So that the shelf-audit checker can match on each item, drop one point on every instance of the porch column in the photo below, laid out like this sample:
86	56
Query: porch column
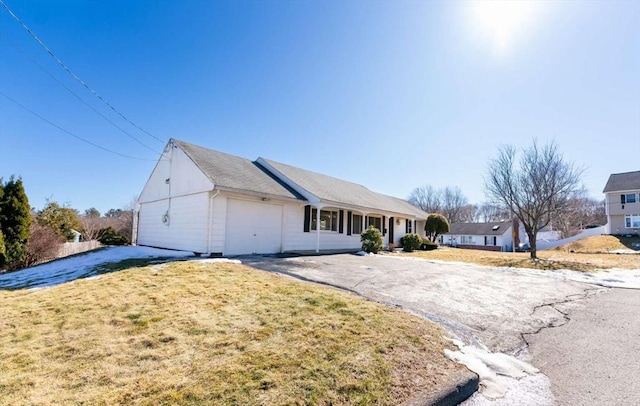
317	229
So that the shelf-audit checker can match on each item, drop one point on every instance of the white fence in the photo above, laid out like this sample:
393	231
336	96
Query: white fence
543	245
71	248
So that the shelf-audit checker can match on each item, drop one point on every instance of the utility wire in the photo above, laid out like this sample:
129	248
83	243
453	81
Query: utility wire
26	55
70	72
72	134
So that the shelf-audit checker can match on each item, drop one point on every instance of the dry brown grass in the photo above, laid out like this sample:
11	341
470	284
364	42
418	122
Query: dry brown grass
554	259
601	244
202	333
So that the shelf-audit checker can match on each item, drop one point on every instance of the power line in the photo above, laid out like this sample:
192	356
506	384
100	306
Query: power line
26	55
72	134
70	72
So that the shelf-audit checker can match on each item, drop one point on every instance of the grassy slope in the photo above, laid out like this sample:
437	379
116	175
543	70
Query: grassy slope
194	333
589	255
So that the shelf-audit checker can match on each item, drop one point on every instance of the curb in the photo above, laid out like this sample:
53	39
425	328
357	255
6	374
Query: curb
455	392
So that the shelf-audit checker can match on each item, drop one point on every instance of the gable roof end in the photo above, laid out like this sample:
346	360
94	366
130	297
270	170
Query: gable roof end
233	173
623	181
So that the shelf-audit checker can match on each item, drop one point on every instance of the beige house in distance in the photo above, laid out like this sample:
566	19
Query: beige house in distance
622	203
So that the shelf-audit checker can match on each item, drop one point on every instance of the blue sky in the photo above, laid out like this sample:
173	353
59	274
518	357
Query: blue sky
392	95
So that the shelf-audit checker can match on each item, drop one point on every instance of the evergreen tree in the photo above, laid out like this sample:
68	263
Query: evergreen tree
436	224
3	252
15	220
61	219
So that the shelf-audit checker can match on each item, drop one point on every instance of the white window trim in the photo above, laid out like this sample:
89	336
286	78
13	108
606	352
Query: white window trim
354	222
632	218
626	198
374	217
314	217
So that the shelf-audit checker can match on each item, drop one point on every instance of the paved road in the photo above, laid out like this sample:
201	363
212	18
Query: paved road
585	338
594	359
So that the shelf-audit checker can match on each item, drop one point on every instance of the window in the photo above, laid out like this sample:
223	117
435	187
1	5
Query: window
632	221
356	224
376	222
628	198
409	224
328	220
466	239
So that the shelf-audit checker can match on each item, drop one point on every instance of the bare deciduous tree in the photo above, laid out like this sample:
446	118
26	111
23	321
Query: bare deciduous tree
453	202
426	198
470	213
540	185
488	212
44	245
92	226
448	201
581	211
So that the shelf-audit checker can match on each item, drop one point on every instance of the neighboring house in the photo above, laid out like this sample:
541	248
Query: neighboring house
496	236
77	235
213	203
622	203
547	233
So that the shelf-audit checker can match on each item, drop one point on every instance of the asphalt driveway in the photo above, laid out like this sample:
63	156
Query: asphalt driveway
507	310
481	305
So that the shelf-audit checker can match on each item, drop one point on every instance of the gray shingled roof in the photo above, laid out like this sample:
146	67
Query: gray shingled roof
479	228
623	181
233	173
333	190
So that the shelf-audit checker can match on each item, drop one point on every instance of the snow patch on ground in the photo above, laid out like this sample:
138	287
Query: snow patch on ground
80	266
490	367
220	260
532	390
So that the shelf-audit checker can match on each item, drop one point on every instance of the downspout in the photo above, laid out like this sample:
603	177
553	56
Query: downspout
210	221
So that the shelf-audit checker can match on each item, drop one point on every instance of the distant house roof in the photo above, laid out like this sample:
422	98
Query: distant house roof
333	190
496	228
234	173
623	181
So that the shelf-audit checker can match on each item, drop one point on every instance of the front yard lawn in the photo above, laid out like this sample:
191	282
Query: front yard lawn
197	332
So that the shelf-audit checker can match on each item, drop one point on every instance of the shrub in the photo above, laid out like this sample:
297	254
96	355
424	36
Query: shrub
44	245
411	242
109	236
371	239
428	245
436	224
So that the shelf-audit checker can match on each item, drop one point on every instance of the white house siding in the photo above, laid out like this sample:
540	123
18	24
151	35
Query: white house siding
296	239
503	241
175	174
186	226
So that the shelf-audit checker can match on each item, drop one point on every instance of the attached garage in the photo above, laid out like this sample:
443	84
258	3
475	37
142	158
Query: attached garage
253	227
212	203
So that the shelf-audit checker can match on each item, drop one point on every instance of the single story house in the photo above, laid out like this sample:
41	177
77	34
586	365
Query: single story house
493	236
622	203
213	203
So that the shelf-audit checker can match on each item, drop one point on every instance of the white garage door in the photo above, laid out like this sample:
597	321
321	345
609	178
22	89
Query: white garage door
253	228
